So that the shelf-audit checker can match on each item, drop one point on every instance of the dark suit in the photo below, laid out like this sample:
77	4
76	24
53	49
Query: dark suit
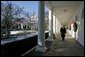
63	31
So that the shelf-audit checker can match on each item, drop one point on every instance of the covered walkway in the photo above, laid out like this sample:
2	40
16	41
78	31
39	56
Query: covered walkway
69	47
60	13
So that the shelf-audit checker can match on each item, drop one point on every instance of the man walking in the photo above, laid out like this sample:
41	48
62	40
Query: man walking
63	32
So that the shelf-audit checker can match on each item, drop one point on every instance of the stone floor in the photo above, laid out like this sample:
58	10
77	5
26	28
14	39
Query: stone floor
69	47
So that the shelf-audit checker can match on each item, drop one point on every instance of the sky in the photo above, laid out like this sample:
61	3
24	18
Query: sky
29	6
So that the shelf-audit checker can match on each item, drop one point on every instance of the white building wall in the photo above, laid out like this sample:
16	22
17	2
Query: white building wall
80	31
80	38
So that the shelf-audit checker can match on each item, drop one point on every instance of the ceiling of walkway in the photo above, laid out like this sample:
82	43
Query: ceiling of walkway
64	10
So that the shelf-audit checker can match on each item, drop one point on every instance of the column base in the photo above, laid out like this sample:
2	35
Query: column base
50	39
40	48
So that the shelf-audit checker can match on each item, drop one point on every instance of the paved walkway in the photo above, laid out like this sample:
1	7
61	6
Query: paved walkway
69	47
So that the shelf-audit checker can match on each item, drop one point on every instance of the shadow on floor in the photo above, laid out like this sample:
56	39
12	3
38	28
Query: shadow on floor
69	47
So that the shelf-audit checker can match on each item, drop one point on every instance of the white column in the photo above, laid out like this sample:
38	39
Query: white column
54	24
21	26
41	29
50	26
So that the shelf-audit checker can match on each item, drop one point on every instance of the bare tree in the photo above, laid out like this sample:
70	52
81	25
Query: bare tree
26	14
8	13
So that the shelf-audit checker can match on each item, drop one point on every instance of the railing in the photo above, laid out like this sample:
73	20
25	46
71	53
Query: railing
17	48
